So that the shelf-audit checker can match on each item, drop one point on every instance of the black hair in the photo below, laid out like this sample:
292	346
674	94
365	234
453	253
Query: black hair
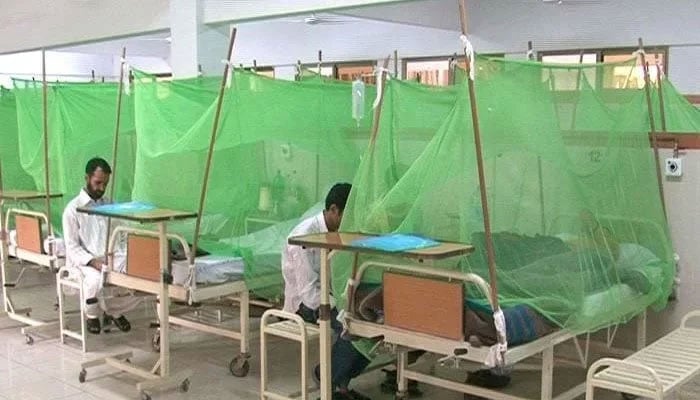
338	195
96	163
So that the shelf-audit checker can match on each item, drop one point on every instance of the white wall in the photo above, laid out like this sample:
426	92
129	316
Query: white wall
684	66
68	66
684	216
62	66
283	42
496	26
503	26
507	25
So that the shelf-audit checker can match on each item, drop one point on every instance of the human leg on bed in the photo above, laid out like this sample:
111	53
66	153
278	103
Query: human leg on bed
523	325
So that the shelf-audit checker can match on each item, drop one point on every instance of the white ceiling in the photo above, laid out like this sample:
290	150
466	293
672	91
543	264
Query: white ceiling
35	24
441	14
494	25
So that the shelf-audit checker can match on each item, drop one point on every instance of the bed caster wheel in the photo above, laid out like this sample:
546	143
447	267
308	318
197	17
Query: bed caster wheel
145	396
155	343
627	396
239	366
28	340
185	386
82	375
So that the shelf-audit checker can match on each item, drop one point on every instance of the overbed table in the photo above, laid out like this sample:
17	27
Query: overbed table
343	241
162	379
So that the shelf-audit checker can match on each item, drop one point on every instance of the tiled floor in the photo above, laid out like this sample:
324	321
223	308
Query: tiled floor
49	370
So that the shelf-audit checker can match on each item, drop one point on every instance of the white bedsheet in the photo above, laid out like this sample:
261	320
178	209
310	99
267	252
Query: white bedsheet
59	245
210	269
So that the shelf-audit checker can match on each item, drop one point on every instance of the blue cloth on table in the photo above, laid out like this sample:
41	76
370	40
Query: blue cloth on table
132	206
395	242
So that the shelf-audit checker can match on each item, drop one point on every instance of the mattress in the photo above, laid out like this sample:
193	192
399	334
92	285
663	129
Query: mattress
210	269
59	245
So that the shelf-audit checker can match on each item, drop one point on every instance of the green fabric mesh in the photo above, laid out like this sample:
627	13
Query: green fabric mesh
556	147
82	119
681	116
13	176
579	230
295	138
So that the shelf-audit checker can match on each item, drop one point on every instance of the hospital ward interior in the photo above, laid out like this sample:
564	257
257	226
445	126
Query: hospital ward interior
349	199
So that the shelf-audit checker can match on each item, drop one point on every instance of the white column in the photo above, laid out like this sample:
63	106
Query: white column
213	44
185	23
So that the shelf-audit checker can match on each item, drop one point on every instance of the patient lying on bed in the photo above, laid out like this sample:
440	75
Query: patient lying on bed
572	278
524	324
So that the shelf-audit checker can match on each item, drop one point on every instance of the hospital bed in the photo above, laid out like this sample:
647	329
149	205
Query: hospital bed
224	284
655	372
435	324
443	336
27	242
431	325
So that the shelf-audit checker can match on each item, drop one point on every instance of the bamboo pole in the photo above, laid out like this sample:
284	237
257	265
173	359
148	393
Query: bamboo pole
210	153
318	157
578	88
543	223
480	167
652	124
115	144
662	108
45	117
377	113
396	64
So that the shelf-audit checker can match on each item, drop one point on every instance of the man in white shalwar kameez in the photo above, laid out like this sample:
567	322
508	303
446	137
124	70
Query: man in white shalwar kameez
85	238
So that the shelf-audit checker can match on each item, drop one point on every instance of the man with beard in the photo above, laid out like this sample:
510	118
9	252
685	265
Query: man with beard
85	238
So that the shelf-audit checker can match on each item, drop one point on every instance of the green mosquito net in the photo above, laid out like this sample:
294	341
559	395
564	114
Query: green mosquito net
280	146
13	176
578	226
81	122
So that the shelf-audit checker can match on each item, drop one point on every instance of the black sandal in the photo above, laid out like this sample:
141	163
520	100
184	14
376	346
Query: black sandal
122	323
487	379
93	326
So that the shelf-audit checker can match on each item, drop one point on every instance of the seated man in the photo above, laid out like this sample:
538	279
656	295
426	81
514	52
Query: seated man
301	267
85	238
302	290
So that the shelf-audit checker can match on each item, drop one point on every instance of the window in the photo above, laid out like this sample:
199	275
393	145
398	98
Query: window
429	72
569	79
437	71
615	77
312	70
264	71
350	71
631	77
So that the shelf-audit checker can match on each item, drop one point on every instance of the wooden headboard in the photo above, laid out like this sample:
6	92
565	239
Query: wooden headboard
29	235
143	257
424	305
